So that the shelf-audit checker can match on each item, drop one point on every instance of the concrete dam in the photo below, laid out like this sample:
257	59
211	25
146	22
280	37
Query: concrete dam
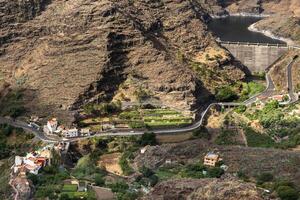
256	56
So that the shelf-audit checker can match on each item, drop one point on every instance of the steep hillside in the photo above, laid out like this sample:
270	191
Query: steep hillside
68	53
225	189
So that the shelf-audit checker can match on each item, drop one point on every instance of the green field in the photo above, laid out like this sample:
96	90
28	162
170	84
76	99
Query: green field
69	188
153	118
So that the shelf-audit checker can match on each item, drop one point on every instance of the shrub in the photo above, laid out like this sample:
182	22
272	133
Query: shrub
119	187
226	94
287	193
242	175
241	109
146	172
147	139
99	181
215	172
153	180
264	177
123	162
136	124
202	133
226	137
257	139
64	197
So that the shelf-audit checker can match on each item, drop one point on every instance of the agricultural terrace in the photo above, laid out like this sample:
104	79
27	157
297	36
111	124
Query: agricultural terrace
138	118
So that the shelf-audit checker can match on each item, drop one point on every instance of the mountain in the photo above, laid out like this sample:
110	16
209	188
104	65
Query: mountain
68	53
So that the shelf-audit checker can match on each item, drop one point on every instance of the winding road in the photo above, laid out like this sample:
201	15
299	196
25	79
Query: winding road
293	97
267	92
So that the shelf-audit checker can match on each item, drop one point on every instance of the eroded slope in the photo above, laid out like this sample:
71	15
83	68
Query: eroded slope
81	51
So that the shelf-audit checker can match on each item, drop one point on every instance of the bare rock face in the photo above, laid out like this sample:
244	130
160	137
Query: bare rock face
68	53
204	189
20	10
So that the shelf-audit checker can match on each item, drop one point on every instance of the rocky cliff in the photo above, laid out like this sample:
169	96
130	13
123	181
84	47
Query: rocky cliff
68	53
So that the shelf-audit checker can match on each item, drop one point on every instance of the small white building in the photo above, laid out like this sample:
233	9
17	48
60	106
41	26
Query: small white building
18	160
144	149
70	133
52	125
85	132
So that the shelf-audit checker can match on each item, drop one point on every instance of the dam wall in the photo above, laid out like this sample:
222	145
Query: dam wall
256	56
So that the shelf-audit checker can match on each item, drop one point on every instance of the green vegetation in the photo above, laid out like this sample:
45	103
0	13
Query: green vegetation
86	167
12	104
123	192
259	75
241	109
165	173
227	137
141	94
69	188
285	189
287	193
240	91
202	133
277	123
99	180
124	164
147	178
137	118
264	177
147	139
103	109
17	145
226	94
252	88
49	183
154	118
196	170
255	139
269	116
5	170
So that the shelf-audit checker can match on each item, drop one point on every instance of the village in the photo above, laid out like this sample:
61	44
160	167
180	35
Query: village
52	128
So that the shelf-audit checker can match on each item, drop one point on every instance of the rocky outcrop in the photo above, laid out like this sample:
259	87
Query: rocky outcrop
80	51
202	189
283	27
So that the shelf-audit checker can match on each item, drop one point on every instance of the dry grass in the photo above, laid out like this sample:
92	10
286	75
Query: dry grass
211	55
111	163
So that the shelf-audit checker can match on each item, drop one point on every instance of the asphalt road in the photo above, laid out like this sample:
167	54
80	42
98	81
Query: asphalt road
293	97
20	124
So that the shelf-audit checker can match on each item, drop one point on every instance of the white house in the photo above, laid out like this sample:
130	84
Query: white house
85	132
52	125
18	164
18	160
71	132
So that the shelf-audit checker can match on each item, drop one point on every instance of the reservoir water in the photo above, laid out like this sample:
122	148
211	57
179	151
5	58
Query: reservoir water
235	29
